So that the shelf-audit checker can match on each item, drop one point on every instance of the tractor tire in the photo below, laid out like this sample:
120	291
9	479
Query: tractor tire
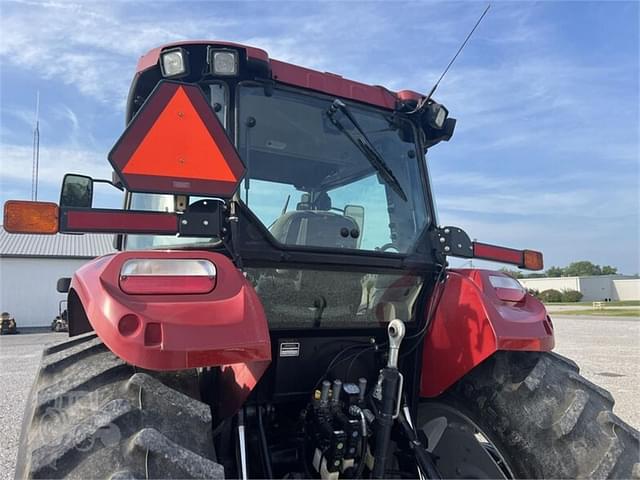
91	415
540	419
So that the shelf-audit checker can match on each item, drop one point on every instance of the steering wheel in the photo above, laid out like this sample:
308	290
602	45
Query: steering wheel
387	246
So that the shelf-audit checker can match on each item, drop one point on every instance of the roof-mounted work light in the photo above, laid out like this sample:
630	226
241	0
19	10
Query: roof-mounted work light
437	114
223	62
173	63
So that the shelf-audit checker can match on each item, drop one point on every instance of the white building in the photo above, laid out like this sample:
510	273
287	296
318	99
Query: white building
30	266
594	288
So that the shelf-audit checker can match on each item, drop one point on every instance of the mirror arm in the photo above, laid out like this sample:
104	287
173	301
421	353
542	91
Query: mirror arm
117	185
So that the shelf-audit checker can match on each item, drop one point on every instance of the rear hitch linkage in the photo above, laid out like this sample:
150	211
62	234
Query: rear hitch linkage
391	407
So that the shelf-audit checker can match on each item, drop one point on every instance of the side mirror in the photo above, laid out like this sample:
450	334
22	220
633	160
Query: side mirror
63	284
77	191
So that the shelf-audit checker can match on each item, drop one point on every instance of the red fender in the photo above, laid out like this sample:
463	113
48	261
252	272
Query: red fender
225	327
473	320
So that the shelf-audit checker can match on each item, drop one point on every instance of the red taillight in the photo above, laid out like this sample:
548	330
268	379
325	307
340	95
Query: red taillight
496	253
529	259
156	276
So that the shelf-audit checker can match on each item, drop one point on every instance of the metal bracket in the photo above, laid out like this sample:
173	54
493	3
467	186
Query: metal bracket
452	241
202	219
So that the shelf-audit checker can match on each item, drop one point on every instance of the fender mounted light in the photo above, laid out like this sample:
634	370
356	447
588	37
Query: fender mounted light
21	216
158	276
507	288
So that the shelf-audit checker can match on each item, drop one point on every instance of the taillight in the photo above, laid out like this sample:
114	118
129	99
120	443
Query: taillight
507	288
157	276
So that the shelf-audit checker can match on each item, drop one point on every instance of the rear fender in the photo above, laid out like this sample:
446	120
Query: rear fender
473	320
226	327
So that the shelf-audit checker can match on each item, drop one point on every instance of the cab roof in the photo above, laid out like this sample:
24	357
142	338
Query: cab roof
298	76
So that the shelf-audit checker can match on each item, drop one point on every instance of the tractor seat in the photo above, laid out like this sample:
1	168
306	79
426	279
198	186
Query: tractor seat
291	297
317	228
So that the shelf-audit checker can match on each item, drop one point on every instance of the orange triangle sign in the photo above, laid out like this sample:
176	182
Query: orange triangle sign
175	144
179	145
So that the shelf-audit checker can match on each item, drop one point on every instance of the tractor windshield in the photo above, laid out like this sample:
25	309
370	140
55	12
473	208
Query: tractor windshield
311	185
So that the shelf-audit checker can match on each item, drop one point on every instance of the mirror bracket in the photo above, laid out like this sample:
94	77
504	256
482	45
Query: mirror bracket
452	241
203	218
117	185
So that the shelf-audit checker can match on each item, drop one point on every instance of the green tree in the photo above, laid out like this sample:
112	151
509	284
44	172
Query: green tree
609	270
555	272
582	268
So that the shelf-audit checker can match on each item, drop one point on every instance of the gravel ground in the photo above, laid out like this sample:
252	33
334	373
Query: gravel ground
605	348
19	356
560	308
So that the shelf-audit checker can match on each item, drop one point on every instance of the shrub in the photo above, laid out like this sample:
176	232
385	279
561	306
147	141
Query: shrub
571	296
551	295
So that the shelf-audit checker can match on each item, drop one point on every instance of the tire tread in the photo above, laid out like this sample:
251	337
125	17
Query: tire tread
132	425
553	422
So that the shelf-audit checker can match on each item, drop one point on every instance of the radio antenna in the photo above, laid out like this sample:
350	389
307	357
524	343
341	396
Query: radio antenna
35	155
424	100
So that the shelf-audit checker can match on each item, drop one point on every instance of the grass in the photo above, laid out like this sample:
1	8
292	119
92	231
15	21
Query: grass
606	312
623	303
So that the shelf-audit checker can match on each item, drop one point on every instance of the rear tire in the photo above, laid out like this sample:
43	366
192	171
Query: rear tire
90	415
543	418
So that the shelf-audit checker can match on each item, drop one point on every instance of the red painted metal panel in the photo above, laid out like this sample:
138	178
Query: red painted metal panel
471	323
224	327
332	84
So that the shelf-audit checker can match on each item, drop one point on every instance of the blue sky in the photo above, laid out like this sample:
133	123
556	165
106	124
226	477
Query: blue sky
545	154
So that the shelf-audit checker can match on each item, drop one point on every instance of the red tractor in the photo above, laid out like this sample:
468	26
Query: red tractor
281	306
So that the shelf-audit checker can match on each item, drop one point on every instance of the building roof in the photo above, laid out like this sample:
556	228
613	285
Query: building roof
60	245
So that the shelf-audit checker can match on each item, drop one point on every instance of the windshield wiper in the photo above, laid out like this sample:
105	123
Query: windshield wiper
360	140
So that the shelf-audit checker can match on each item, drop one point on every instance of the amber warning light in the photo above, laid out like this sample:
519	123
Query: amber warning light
21	216
176	145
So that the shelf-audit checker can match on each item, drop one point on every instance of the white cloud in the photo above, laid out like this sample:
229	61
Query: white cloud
54	163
